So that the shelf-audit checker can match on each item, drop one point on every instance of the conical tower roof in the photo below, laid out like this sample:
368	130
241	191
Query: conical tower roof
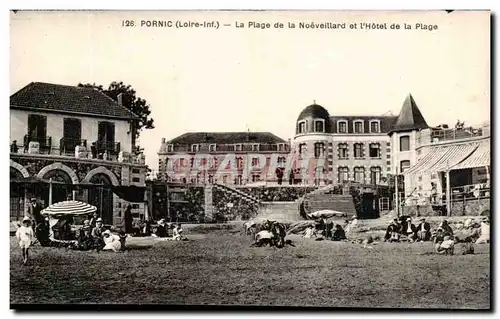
410	118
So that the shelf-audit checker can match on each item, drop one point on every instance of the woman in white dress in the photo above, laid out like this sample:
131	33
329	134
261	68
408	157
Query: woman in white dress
111	241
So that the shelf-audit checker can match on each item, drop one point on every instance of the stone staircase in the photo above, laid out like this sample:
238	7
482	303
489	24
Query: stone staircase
236	192
323	198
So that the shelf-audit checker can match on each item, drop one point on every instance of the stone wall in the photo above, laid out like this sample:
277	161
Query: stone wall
472	207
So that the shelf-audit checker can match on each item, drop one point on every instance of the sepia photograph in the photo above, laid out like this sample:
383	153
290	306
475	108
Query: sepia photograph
250	159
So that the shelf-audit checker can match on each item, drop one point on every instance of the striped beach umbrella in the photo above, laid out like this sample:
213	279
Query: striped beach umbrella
69	207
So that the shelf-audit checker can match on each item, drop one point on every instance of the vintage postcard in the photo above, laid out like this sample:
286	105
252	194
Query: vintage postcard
230	159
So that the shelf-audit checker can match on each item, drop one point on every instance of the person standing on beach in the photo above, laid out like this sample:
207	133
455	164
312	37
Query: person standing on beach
26	237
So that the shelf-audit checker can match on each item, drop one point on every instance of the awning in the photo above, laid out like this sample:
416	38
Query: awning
479	158
453	155
434	155
133	194
441	158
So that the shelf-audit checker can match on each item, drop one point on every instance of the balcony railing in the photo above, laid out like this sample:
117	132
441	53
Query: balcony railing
68	145
455	134
45	142
224	148
112	148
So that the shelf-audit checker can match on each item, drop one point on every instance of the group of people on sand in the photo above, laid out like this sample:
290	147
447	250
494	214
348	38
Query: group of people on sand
443	236
93	235
172	231
323	229
405	229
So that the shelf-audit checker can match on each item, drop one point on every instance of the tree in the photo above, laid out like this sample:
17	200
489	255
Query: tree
136	105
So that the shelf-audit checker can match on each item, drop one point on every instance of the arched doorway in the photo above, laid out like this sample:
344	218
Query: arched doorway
61	189
102	197
16	195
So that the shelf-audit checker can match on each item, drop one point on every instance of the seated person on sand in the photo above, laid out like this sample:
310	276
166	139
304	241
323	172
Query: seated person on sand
485	232
339	233
309	232
410	231
177	232
85	241
96	234
424	230
392	232
161	230
111	241
262	238
444	243
446	228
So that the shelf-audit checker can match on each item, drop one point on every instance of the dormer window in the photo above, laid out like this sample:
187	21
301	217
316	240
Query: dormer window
358	126
375	126
170	148
302	127
342	127
212	147
319	126
195	148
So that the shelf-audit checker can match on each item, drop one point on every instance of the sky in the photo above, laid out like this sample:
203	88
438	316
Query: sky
238	79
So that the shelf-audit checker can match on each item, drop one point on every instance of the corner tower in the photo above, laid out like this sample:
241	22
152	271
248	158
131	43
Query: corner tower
311	144
404	136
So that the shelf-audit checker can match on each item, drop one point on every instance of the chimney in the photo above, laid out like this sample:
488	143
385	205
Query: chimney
120	99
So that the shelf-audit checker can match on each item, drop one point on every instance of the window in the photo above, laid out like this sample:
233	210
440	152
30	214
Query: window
210	179
255	178
358	150
302	149
281	160
343	150
359	174
404	143
37	128
195	148
375	150
319	149
106	136
255	161
181	162
136	171
342	127
224	179
72	133
375	175
375	127
170	148
212	147
237	147
281	147
239	162
302	127
358	127
255	147
404	165
238	180
136	179
319	126
343	174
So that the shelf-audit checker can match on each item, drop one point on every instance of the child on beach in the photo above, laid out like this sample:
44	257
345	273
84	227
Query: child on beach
26	237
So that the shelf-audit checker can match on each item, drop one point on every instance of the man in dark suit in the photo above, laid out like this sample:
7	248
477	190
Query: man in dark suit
424	230
34	212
